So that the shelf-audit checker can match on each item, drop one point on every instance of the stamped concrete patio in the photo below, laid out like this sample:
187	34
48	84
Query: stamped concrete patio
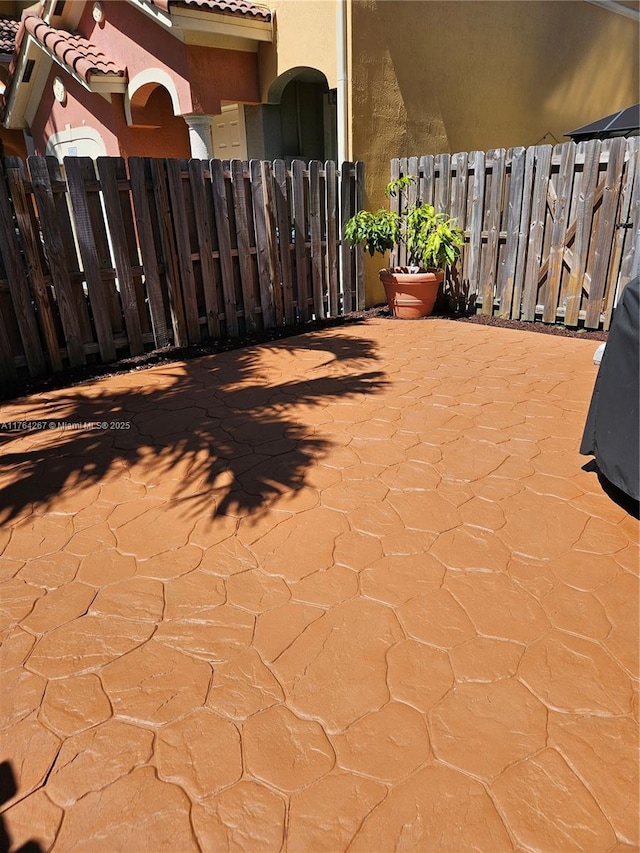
350	591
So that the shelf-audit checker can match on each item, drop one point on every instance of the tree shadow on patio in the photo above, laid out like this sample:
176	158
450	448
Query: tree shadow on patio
8	789
221	435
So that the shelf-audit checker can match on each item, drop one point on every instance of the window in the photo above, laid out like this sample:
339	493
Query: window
28	70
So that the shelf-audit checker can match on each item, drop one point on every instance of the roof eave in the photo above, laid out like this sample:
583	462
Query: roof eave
194	26
94	82
158	15
195	21
107	83
21	100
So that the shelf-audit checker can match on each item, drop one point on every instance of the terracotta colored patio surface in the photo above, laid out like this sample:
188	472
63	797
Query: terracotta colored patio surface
348	591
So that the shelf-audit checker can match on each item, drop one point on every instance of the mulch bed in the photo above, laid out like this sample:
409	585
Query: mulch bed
79	375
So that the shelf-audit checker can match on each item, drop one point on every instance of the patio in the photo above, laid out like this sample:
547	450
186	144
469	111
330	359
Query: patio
348	591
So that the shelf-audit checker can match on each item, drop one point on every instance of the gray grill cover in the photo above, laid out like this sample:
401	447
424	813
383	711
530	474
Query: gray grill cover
612	429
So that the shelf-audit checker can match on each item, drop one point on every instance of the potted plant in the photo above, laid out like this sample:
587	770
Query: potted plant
432	242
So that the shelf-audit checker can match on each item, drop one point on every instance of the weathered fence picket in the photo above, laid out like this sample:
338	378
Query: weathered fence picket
282	194
347	209
603	236
332	230
358	194
491	226
628	226
110	258
111	170
252	309
550	234
139	171
203	215
471	269
25	220
427	183
583	208
505	285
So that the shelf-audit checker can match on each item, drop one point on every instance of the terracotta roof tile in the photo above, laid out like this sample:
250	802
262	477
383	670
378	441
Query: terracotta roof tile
76	53
8	30
225	7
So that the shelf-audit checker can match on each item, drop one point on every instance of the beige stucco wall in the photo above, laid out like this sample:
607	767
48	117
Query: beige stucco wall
304	36
459	75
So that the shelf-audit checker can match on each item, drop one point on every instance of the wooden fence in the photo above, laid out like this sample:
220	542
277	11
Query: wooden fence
107	259
550	233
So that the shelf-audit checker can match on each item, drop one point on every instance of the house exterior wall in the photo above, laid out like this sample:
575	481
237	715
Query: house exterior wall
87	109
117	38
221	75
202	77
304	36
465	75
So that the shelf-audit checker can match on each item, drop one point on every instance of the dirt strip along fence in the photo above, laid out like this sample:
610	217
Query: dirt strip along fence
106	259
551	233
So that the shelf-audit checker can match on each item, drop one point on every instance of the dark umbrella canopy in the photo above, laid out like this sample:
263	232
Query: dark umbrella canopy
623	123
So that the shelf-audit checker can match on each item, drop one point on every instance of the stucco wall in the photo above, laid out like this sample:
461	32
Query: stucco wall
216	74
116	37
459	75
304	36
202	77
85	108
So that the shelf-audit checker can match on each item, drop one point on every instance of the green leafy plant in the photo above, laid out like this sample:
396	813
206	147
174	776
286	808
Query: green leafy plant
431	239
378	231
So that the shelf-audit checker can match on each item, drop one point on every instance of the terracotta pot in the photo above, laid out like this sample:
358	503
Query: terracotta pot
411	295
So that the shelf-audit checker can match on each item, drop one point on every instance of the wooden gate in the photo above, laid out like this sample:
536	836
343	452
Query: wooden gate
551	234
107	259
